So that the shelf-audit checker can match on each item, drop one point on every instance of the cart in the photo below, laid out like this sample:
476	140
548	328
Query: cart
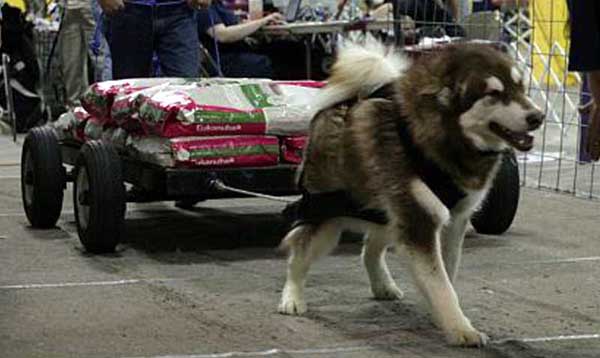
99	172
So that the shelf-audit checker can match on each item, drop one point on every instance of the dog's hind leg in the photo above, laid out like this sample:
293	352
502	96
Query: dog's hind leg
305	244
373	255
453	236
422	222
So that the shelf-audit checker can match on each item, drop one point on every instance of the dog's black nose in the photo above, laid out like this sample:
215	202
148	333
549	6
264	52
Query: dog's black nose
535	119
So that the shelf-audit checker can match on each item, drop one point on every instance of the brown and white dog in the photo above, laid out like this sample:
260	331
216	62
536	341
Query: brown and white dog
404	152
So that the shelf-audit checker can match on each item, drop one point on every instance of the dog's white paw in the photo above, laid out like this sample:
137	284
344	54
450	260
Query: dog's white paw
291	306
467	338
387	292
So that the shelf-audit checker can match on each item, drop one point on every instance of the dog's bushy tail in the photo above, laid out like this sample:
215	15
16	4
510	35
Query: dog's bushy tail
361	68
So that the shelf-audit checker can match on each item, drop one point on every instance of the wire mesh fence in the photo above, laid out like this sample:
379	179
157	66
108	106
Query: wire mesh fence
558	161
536	34
51	87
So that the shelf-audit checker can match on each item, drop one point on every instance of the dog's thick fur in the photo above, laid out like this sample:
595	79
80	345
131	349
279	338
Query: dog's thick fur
462	106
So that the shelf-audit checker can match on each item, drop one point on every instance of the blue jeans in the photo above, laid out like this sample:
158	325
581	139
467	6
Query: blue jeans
99	46
138	31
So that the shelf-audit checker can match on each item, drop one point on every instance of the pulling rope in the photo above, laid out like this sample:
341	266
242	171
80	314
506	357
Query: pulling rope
219	185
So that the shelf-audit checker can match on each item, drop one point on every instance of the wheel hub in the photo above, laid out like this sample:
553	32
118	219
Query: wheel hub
82	199
28	179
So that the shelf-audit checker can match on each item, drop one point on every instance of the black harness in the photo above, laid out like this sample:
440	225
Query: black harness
314	208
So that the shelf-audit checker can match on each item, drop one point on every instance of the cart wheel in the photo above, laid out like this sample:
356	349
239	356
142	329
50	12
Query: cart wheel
99	197
42	178
500	206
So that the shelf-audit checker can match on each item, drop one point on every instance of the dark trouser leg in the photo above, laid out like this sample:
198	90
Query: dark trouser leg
177	43
593	133
73	50
130	37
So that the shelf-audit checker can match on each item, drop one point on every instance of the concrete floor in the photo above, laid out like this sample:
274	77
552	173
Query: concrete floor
205	283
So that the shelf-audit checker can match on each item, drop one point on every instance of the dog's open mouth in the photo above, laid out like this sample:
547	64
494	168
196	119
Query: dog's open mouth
520	141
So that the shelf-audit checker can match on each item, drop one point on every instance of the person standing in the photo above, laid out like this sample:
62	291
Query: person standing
76	31
99	46
139	29
584	56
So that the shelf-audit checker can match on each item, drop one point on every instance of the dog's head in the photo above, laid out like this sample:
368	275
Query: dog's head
487	90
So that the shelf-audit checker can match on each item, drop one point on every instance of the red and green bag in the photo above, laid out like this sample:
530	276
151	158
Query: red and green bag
259	107
292	149
99	97
81	118
233	151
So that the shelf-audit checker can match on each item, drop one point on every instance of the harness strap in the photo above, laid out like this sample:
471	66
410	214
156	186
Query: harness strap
314	208
437	179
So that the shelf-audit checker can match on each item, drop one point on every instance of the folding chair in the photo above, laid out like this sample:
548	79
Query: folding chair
9	111
208	60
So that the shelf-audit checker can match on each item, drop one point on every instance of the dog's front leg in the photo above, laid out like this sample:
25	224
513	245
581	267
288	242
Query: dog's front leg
453	236
424	216
432	279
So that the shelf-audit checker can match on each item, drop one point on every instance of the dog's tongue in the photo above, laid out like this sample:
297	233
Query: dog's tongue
521	141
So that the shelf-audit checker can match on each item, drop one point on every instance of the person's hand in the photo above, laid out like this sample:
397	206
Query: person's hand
111	6
274	19
199	4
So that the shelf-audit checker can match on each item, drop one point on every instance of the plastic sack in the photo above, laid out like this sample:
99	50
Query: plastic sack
292	149
235	151
99	97
150	149
260	107
213	152
93	129
63	126
81	118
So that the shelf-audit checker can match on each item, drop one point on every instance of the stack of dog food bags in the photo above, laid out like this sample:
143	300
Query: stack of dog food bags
199	122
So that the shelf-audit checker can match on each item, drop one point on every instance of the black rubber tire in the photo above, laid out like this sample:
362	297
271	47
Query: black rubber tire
101	231
43	175
500	206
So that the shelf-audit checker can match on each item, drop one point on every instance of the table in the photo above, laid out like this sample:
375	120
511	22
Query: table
306	30
323	27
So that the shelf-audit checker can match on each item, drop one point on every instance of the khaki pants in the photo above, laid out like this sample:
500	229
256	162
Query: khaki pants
76	33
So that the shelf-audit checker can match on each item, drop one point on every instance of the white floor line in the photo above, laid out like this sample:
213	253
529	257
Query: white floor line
575	337
269	352
10	177
338	350
18	214
90	283
71	212
567	260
